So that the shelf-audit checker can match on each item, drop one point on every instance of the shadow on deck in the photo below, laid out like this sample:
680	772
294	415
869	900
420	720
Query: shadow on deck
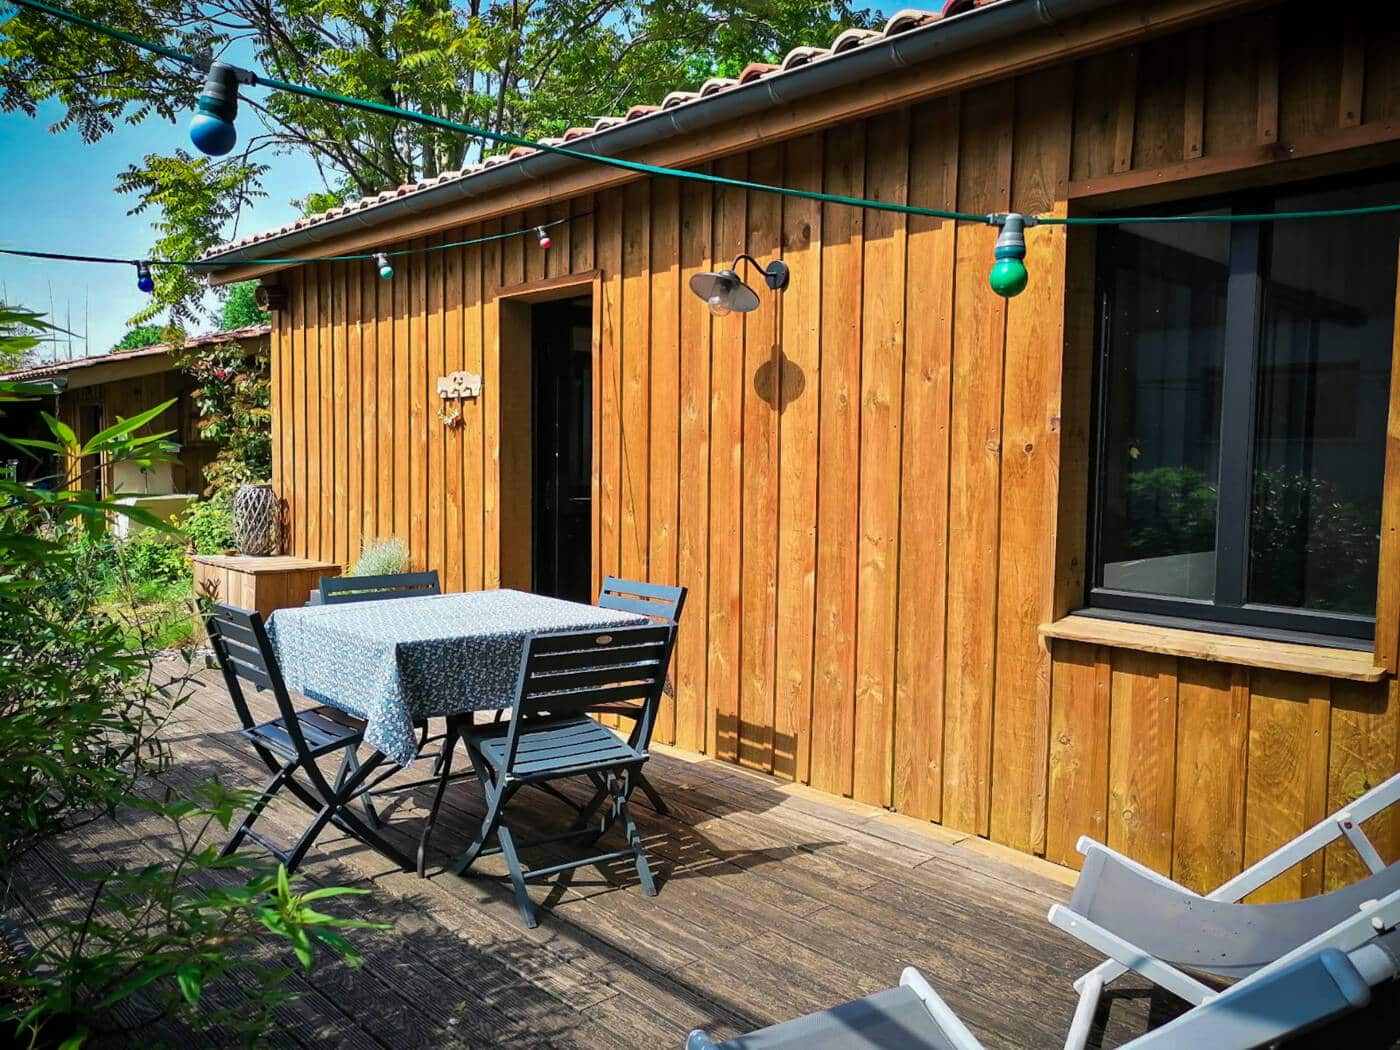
773	902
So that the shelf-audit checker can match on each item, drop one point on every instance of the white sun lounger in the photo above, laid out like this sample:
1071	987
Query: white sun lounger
1142	921
1319	982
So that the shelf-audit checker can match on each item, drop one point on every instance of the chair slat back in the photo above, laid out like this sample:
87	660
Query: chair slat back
245	654
567	673
659	601
336	590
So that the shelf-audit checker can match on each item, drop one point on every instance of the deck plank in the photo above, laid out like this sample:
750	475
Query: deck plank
773	902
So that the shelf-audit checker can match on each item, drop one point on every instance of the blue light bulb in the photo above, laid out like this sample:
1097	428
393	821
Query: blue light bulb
211	128
385	269
212	135
144	281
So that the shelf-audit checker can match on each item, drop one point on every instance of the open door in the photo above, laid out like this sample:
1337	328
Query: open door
562	359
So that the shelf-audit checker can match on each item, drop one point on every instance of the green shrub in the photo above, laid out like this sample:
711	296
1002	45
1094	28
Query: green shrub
381	557
164	929
153	560
82	706
233	395
209	523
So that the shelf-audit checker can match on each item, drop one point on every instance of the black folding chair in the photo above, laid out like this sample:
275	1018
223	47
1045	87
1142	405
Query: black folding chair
291	744
337	589
550	736
660	602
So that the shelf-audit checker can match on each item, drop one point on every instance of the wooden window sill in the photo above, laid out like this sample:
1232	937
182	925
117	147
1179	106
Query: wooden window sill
1220	648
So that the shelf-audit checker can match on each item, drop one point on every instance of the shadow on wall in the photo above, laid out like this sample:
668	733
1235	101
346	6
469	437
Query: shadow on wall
779	381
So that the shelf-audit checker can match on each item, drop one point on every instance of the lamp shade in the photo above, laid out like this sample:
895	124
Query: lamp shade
724	292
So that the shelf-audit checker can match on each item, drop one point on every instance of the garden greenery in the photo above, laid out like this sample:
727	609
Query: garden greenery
233	394
83	701
209	523
381	558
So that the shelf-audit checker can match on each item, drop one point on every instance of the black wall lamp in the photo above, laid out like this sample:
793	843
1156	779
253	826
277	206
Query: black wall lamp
725	292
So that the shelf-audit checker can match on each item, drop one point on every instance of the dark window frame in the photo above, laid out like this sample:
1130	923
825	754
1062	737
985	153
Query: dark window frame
1228	612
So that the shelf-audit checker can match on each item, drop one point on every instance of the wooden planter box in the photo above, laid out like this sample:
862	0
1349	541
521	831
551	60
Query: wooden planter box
261	584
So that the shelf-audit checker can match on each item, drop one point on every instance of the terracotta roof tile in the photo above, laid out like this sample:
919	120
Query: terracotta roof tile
754	70
849	39
716	84
800	56
55	368
903	21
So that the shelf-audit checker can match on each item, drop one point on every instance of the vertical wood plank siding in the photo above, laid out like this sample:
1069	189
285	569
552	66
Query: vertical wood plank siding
874	484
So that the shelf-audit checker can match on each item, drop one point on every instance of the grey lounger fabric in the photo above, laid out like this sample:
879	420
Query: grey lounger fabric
894	1019
1215	937
1304	994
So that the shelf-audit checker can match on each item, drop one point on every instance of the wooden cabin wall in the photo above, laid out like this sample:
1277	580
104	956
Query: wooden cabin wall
873	485
1198	769
124	398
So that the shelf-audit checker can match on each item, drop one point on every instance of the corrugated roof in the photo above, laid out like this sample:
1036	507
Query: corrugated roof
58	368
846	41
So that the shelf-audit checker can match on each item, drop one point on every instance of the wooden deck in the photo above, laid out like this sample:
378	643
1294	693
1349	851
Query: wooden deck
774	901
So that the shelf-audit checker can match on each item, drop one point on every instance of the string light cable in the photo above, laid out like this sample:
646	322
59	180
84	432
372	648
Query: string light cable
379	258
212	131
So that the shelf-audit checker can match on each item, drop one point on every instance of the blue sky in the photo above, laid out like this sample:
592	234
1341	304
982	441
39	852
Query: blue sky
57	193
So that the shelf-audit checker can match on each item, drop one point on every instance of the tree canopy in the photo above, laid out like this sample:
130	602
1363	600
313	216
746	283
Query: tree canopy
529	67
138	336
240	309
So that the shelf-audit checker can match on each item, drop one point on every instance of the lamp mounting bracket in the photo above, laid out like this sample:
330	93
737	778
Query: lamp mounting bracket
775	274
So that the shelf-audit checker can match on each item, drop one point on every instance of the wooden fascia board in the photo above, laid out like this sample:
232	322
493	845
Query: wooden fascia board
117	371
1339	150
1113	27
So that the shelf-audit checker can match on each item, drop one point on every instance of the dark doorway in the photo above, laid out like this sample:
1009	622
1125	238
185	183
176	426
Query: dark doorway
562	350
89	426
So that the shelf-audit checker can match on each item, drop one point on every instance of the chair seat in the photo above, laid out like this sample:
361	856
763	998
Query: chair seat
325	729
557	747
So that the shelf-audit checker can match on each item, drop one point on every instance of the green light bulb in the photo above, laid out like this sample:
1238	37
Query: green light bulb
1008	277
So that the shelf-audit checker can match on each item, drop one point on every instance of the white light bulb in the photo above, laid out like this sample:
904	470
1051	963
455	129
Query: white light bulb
719	305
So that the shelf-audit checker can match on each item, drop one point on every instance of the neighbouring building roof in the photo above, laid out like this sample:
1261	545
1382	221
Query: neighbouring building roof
154	352
848	42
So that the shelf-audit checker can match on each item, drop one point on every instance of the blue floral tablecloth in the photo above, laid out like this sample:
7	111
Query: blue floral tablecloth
393	661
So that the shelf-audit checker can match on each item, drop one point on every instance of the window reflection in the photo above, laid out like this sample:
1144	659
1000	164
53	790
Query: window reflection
1160	444
1323	395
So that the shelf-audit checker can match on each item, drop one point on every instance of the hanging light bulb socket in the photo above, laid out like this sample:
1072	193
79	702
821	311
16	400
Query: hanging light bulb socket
545	240
1009	277
386	269
144	280
725	292
211	128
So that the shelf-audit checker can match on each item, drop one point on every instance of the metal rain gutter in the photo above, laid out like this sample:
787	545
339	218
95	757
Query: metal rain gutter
927	43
